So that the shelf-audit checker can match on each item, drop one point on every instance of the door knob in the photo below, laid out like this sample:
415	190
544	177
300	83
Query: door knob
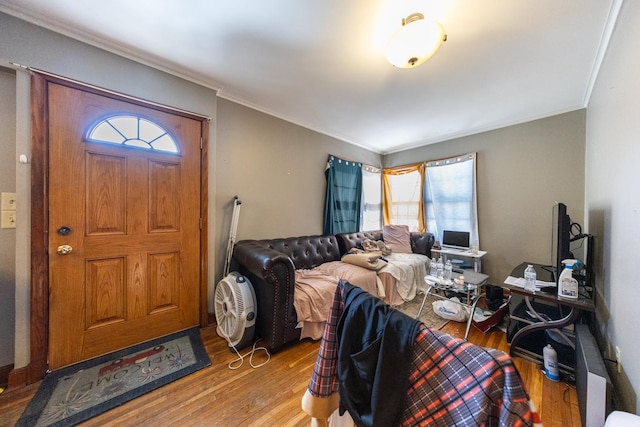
64	250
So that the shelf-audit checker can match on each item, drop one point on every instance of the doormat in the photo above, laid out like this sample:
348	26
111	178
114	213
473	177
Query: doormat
76	393
428	316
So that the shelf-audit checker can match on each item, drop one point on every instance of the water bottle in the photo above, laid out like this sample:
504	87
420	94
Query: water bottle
448	269
439	269
550	358
530	279
433	269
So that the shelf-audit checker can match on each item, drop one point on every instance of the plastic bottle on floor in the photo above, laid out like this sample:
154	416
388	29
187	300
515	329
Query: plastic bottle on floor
550	363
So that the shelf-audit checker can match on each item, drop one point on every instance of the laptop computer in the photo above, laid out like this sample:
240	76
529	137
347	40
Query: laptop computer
456	240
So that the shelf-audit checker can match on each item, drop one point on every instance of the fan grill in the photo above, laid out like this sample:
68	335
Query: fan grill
234	307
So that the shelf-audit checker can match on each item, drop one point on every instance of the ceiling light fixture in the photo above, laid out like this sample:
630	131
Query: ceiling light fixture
415	42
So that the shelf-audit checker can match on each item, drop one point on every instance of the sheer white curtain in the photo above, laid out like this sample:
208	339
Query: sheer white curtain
403	198
450	196
371	198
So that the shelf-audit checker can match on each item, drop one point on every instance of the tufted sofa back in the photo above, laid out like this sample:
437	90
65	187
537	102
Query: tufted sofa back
420	242
347	241
269	265
306	251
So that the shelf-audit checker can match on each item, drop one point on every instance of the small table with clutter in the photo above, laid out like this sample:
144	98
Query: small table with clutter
474	254
540	310
468	285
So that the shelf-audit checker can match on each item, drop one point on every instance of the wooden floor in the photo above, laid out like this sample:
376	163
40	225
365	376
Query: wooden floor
270	395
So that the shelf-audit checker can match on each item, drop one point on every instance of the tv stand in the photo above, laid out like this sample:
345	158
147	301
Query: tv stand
562	312
462	253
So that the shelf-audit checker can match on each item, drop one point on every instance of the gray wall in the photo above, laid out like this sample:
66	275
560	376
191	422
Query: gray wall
613	197
7	235
277	170
522	171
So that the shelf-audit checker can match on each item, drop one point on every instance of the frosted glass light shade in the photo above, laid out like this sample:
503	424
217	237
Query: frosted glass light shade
415	42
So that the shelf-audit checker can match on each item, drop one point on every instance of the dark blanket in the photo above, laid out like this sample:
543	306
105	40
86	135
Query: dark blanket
373	338
451	382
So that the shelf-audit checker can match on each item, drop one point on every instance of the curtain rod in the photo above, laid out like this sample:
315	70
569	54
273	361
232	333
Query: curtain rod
352	161
109	91
451	159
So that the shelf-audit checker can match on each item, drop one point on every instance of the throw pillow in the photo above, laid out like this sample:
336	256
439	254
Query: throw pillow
397	237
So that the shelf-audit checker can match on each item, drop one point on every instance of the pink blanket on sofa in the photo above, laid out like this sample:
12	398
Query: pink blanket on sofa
315	288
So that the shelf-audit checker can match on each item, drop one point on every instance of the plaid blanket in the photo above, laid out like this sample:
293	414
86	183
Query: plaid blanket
452	382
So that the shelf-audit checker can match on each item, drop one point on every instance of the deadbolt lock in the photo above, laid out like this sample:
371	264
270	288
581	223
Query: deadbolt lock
64	230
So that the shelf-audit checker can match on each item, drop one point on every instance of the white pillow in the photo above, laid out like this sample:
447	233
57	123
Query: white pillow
397	237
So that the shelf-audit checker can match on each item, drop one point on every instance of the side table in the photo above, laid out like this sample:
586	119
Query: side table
472	291
568	312
477	257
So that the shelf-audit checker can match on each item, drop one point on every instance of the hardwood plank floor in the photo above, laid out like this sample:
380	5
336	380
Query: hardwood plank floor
270	395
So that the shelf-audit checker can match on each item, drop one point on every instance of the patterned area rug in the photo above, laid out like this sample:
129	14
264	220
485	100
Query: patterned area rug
79	392
428	316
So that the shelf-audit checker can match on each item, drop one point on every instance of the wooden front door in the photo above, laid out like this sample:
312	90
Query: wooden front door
124	228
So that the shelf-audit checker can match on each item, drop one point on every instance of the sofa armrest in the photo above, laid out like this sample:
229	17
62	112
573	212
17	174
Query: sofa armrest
272	276
260	259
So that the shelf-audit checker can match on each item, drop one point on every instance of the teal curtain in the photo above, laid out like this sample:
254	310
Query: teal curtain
343	199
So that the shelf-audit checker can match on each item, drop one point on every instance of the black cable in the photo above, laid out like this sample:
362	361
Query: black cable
578	227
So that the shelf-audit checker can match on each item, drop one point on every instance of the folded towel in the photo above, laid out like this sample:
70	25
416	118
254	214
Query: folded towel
371	261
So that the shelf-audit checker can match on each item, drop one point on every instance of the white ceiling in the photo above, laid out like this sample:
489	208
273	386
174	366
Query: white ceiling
321	63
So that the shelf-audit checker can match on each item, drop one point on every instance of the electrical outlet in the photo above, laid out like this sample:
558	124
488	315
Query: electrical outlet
8	201
8	219
619	359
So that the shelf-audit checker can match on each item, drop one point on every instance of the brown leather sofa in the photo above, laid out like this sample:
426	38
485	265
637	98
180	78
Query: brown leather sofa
270	264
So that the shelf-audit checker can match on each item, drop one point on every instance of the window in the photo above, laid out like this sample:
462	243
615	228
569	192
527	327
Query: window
450	196
428	196
133	131
371	218
403	196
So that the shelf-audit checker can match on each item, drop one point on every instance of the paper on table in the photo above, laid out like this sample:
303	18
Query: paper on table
519	282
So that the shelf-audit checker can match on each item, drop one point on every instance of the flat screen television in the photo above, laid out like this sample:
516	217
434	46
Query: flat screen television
561	238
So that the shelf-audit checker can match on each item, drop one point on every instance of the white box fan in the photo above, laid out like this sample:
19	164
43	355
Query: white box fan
235	310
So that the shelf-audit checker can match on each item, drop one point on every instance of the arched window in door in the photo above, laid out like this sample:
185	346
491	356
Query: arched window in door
133	131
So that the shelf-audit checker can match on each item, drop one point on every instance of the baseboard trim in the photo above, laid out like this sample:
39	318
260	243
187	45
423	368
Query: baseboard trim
17	378
4	375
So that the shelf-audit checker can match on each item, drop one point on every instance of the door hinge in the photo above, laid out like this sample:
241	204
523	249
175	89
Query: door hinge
201	143
200	223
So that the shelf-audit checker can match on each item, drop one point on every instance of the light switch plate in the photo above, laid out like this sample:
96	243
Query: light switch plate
8	219
8	201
